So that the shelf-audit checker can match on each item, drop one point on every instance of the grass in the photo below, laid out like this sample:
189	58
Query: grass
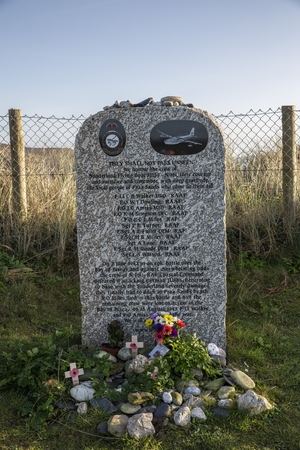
263	331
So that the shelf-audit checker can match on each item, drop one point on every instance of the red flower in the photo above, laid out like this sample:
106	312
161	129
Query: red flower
159	337
180	323
167	330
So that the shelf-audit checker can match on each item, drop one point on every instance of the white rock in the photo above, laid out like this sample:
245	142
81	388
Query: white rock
102	353
182	417
193	390
82	393
167	397
82	408
225	403
138	364
253	403
140	425
198	413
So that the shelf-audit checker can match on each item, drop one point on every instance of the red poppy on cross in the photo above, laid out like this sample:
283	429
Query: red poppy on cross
134	345
74	373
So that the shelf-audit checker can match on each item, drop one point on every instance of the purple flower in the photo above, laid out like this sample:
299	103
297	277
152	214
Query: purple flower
153	316
174	332
158	327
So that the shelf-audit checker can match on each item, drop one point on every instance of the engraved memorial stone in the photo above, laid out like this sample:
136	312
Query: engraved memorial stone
150	220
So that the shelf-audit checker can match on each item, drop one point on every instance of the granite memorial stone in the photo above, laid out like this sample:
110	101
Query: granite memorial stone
150	220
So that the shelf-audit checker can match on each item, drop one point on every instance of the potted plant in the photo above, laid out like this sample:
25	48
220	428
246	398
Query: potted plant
116	334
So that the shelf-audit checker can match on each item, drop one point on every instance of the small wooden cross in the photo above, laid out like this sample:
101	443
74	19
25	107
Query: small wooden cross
74	373
134	345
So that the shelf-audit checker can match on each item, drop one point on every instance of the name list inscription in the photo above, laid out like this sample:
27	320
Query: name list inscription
153	269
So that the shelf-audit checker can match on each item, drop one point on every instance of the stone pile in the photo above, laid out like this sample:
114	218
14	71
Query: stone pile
170	100
143	412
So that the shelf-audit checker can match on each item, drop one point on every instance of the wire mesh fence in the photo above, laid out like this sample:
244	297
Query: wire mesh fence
37	185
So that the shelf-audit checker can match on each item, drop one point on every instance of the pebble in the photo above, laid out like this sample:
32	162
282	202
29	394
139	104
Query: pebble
82	408
102	353
104	404
102	428
253	403
137	398
162	410
62	404
239	378
198	413
167	397
138	364
182	417
140	425
117	425
82	393
225	403
124	354
171	98
225	392
220	412
128	408
215	385
194	390
177	398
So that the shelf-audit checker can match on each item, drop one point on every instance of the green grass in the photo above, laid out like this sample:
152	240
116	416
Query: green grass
263	333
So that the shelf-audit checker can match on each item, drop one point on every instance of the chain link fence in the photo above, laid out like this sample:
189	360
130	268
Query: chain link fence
37	180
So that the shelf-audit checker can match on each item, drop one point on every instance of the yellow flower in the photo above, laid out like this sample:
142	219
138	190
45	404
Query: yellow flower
168	318
148	322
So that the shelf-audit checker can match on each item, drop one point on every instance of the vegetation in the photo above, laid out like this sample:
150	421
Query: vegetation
41	312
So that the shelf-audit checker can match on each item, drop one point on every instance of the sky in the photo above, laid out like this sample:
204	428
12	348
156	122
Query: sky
73	57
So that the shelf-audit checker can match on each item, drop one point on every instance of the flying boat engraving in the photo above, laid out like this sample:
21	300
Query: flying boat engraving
189	139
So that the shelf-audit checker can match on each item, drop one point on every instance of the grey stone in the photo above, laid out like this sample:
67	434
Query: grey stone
198	374
133	167
124	354
220	412
225	392
167	397
140	425
138	364
148	409
193	402
104	404
221	359
215	385
198	413
102	428
63	404
82	408
102	353
145	102
182	417
128	408
117	425
176	398
253	403
82	393
172	98
181	385
241	379
225	403
194	390
138	398
162	410
167	103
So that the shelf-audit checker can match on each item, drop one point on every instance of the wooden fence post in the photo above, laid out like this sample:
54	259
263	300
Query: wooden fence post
19	198
289	162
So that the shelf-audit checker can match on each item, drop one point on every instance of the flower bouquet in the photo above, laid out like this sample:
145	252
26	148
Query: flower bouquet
165	326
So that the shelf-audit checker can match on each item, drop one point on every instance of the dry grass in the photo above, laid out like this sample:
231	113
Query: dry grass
253	196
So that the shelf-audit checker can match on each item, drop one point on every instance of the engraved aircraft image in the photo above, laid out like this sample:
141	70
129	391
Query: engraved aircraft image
189	139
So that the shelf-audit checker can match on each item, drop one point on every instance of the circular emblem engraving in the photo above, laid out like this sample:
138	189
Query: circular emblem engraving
112	137
179	137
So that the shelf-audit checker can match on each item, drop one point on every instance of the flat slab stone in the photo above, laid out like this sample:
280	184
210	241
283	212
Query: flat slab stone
150	220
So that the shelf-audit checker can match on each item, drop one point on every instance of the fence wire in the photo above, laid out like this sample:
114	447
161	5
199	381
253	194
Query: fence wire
46	167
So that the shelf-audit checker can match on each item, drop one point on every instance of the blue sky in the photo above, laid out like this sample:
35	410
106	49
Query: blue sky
64	57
